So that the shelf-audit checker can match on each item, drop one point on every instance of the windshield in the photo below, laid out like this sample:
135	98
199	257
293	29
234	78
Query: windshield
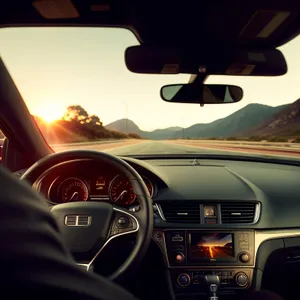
75	83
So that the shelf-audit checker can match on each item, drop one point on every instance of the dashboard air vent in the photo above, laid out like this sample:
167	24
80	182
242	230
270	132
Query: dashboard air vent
181	212
238	213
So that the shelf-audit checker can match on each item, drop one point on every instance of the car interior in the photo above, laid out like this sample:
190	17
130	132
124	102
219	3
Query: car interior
169	226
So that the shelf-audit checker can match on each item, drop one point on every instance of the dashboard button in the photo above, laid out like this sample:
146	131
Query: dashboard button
244	257
122	222
177	238
158	236
241	279
179	257
224	282
184	279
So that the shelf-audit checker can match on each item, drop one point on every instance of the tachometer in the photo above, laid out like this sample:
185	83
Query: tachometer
120	190
73	189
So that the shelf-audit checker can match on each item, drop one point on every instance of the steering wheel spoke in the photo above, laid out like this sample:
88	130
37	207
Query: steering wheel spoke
123	222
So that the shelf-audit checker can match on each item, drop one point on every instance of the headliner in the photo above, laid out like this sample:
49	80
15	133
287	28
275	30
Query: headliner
206	24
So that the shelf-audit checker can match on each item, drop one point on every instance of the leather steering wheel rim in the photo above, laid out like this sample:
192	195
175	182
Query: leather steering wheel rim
144	216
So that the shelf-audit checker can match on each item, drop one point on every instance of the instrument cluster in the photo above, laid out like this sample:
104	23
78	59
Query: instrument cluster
113	188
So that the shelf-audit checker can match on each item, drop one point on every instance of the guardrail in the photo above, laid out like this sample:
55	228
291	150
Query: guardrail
244	143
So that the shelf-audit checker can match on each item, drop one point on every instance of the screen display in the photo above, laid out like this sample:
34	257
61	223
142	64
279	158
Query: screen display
99	186
211	245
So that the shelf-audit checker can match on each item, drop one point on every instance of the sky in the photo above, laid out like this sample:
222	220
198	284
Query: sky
215	240
57	67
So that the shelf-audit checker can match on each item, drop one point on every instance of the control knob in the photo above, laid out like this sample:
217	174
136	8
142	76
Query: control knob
244	257
241	279
184	279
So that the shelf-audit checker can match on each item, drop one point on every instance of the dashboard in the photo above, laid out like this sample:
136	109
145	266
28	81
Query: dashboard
213	217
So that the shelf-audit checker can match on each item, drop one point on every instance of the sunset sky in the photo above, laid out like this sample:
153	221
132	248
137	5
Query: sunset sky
57	67
215	240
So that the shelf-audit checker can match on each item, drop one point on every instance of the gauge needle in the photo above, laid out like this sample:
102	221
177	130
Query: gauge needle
74	196
121	195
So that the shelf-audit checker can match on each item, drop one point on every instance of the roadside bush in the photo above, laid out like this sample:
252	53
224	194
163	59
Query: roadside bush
277	139
254	138
297	140
133	136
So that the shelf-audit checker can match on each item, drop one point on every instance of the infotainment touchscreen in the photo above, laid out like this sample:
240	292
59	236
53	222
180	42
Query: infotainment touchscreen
211	245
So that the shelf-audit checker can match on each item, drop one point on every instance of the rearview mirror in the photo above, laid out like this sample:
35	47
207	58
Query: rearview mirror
201	94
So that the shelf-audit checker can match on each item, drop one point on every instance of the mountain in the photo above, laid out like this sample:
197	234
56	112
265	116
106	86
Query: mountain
128	126
284	123
241	123
161	134
124	125
248	117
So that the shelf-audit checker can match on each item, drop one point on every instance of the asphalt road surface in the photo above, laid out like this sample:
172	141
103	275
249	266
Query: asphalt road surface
156	147
161	147
211	252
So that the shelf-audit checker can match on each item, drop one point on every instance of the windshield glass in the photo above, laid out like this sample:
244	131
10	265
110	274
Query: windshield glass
76	85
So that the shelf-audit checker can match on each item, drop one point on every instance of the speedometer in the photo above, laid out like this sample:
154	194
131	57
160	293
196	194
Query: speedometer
120	190
73	189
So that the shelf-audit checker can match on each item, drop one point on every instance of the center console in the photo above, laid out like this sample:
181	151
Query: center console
193	254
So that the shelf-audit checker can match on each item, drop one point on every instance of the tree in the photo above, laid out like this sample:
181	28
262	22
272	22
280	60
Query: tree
94	120
77	126
76	113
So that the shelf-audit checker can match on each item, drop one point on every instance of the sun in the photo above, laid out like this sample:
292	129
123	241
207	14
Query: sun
49	112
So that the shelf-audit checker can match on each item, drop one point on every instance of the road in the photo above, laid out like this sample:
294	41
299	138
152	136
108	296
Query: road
211	252
166	147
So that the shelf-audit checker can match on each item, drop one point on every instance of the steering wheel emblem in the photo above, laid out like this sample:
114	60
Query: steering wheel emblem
78	220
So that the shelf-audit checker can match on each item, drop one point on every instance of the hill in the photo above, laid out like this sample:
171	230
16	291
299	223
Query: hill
161	134
284	123
124	126
128	126
251	116
248	117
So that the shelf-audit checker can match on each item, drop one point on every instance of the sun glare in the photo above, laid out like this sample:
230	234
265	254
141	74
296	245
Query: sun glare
49	112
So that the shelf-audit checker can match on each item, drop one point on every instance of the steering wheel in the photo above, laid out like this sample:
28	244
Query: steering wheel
88	227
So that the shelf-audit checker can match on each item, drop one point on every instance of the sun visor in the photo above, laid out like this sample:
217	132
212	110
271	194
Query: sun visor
160	60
